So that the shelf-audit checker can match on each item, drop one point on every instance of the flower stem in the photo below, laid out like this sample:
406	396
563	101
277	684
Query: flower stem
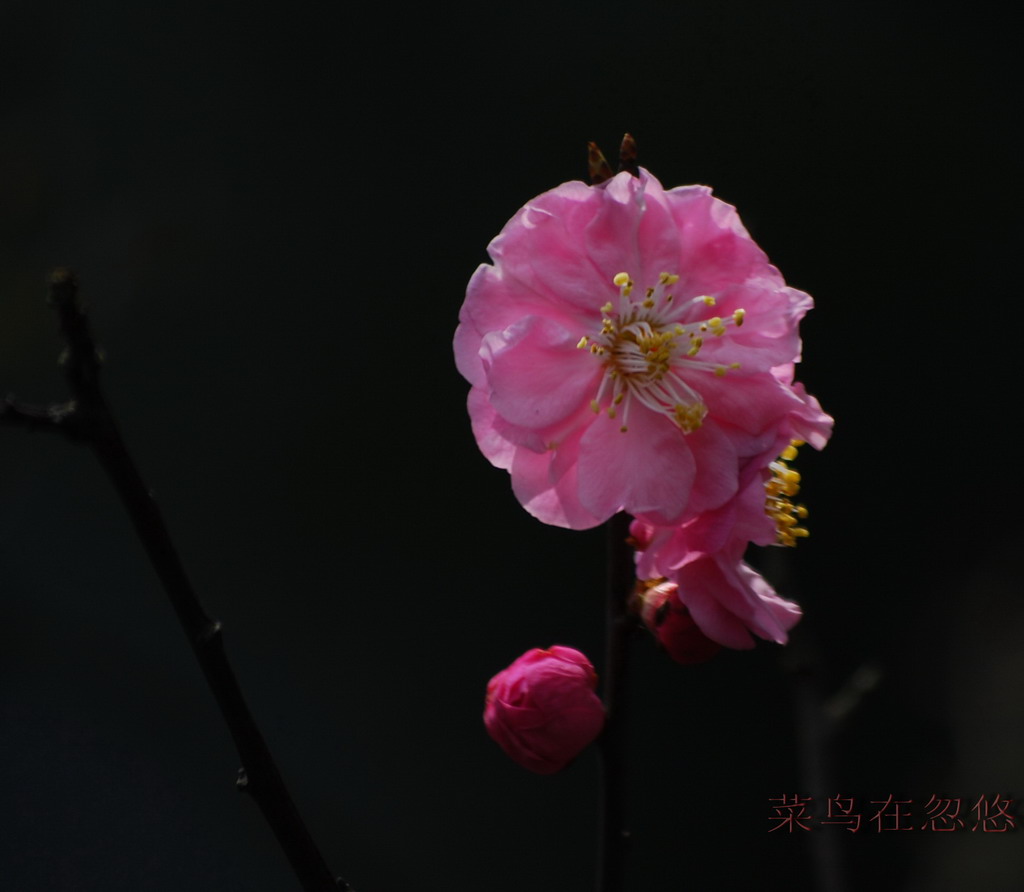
89	418
618	625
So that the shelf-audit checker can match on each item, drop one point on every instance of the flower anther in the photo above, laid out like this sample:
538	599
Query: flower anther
779	489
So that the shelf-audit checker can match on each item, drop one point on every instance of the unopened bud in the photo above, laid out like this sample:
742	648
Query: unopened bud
671	623
542	710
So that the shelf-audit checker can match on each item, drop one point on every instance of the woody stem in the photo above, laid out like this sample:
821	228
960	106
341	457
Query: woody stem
618	625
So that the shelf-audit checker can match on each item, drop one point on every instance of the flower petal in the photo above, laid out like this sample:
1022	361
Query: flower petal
729	599
536	374
715	250
634	231
547	486
542	250
647	470
708	594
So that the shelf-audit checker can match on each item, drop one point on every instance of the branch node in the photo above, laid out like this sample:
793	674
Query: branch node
207	634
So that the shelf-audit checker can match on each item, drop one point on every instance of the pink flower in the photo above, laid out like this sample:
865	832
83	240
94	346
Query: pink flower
542	710
703	558
670	622
630	348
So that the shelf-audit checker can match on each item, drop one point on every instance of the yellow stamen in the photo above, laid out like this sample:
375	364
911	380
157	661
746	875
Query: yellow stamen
648	358
689	418
784	483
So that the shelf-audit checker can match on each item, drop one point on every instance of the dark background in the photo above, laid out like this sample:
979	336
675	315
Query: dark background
273	211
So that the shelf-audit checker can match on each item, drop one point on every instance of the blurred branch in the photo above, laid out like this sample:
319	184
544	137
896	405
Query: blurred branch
844	702
816	772
88	417
818	719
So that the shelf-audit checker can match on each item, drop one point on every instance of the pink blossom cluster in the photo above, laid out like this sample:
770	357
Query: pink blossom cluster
701	562
630	348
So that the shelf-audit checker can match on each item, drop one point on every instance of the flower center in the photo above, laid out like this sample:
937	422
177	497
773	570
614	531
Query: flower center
647	343
784	483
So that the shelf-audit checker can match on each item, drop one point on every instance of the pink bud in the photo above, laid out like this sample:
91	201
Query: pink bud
640	534
542	710
667	617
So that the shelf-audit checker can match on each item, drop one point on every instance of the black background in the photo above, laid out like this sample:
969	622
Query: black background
273	211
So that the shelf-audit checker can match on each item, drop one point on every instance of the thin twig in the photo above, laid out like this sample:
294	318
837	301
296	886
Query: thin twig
89	417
